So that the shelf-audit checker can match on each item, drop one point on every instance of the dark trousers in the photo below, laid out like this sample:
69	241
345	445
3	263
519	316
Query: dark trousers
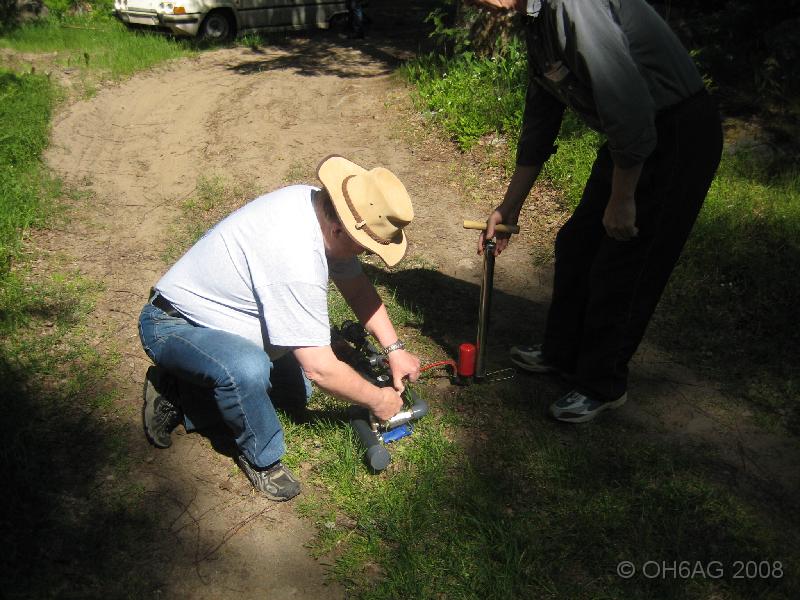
605	291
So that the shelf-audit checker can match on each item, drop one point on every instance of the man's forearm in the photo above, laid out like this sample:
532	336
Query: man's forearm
342	381
339	379
619	217
380	326
336	377
361	296
518	189
625	180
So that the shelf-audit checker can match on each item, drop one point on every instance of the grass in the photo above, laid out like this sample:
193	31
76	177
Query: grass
731	295
64	457
733	289
471	96
98	46
486	500
26	102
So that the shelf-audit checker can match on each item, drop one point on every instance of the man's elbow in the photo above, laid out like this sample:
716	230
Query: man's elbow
319	366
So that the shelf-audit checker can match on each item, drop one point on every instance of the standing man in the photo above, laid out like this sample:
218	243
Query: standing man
616	64
244	314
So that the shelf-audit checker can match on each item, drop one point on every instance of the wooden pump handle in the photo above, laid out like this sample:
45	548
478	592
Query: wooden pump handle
500	228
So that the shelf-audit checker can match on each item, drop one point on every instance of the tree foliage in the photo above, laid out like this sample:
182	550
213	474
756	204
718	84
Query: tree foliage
8	13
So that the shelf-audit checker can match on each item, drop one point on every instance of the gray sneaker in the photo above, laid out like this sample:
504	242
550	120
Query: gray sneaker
575	407
276	483
160	412
530	359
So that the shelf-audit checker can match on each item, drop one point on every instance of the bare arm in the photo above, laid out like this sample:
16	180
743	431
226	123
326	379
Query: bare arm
362	297
508	212
619	218
339	379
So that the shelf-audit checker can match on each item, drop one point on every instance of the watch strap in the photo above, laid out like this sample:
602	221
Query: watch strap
398	345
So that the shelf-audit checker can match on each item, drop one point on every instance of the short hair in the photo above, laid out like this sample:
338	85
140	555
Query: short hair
324	198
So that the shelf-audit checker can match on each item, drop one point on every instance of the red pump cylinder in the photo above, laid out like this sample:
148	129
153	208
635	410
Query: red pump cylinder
466	360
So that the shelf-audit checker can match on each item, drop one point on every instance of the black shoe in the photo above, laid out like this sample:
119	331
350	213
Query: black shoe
160	414
275	482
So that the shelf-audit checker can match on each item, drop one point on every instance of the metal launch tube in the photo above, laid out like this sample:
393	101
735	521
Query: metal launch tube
485	308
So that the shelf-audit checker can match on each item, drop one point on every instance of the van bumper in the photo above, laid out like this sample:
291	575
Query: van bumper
177	24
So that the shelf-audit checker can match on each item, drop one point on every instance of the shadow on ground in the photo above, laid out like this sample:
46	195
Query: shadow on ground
448	309
397	32
69	528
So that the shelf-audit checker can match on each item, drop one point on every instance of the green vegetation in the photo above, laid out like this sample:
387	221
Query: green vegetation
97	45
64	461
731	296
518	508
487	499
472	96
734	292
26	102
64	456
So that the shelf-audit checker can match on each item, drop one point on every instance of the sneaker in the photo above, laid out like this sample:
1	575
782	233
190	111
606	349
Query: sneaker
160	414
575	407
275	482
530	359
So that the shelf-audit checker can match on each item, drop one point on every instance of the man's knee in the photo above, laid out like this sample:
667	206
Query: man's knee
249	369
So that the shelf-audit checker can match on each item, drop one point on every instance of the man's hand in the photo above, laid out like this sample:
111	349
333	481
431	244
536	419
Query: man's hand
619	218
494	219
508	212
403	365
388	405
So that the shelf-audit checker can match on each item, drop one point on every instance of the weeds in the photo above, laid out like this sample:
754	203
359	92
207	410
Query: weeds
69	523
732	293
97	46
25	105
729	298
486	500
471	96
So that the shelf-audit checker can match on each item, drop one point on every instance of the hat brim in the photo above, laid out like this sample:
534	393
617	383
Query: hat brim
332	172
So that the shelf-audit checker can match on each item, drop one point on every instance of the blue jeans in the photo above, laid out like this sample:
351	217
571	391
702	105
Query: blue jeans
231	379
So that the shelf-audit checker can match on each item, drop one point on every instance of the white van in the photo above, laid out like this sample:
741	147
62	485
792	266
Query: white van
220	20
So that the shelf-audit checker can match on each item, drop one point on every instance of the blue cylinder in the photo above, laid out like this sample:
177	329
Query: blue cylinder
397	433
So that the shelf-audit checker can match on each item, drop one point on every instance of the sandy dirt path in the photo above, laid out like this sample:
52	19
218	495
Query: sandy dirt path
262	118
265	117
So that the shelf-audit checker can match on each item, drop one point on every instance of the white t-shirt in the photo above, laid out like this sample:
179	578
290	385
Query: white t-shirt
261	273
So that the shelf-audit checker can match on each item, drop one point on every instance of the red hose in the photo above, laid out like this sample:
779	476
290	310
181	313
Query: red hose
441	363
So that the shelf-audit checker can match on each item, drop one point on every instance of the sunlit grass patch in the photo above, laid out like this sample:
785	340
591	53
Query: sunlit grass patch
470	96
95	43
489	498
26	191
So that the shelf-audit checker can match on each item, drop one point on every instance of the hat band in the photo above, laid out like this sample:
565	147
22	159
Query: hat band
361	224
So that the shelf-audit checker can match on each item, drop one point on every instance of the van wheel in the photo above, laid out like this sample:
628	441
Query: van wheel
217	27
339	23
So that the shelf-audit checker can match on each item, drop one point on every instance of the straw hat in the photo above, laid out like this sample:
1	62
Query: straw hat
373	205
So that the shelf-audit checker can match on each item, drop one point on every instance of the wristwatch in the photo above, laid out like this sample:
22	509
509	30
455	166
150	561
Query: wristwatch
398	345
